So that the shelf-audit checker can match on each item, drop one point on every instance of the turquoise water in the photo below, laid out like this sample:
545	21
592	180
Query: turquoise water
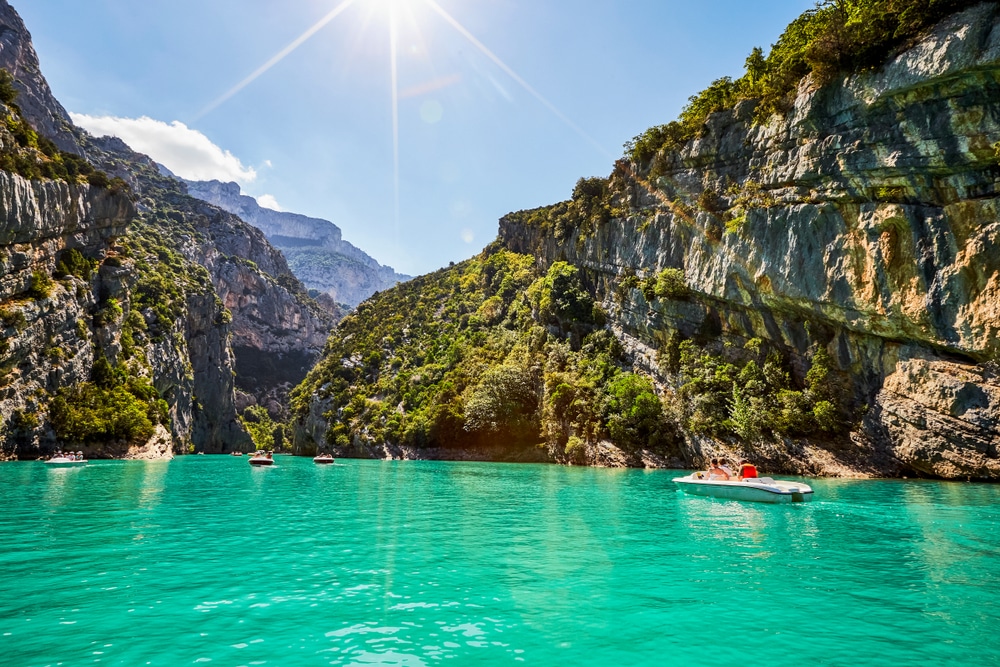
205	560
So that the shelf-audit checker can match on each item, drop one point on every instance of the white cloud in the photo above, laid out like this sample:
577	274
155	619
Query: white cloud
186	152
268	201
468	236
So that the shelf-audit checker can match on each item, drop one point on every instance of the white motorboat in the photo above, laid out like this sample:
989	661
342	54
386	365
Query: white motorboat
261	461
64	462
753	489
323	460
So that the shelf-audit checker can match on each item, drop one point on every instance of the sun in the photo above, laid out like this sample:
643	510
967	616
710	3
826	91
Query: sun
390	8
394	13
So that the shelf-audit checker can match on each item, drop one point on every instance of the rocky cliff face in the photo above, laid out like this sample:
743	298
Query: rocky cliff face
277	331
818	292
17	56
316	252
55	331
864	222
121	298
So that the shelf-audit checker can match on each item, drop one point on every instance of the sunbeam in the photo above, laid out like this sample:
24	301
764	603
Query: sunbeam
278	57
512	74
393	58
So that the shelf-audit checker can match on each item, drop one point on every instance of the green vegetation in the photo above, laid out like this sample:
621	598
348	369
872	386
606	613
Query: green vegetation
115	406
40	286
836	36
750	394
72	263
10	316
166	277
266	433
490	352
589	208
670	284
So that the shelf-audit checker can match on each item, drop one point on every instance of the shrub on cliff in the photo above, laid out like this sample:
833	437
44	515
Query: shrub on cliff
750	394
87	413
471	356
835	37
560	297
40	286
670	284
634	413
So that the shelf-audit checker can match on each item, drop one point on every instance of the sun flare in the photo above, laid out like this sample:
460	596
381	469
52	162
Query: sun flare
397	14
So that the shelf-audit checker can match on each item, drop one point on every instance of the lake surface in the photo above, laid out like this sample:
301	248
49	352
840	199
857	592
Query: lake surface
205	560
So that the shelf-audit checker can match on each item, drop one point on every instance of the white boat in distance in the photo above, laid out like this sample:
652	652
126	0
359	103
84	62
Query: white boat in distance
753	489
63	462
257	460
323	460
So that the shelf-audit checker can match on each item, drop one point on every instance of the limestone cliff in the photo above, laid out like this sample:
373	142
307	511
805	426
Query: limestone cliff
277	330
128	306
838	263
315	249
17	56
864	222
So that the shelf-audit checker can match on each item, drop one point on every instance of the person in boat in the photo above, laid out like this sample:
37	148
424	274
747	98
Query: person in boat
724	464
270	456
715	472
747	470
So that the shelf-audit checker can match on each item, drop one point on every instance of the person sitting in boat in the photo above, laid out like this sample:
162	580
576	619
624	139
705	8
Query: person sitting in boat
270	455
747	470
724	464
715	472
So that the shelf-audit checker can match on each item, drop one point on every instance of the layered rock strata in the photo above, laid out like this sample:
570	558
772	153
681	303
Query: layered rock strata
865	221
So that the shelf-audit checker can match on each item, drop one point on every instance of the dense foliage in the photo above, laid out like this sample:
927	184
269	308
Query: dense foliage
489	352
266	433
834	37
750	393
115	406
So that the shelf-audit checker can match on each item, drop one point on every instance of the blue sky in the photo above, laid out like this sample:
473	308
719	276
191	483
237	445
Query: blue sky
502	104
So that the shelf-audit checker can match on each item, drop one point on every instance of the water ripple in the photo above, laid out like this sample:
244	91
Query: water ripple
205	560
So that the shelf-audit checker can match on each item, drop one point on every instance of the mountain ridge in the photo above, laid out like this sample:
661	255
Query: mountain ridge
314	247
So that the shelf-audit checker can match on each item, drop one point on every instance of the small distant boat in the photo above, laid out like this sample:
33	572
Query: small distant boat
236	453
323	459
64	462
752	489
261	460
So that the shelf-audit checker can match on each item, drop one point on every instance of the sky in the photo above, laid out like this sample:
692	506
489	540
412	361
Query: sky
414	125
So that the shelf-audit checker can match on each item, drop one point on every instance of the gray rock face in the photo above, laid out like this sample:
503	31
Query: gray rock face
40	107
50	342
865	221
239	306
316	252
277	332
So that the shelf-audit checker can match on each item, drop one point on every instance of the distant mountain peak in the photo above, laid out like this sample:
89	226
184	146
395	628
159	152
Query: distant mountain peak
315	248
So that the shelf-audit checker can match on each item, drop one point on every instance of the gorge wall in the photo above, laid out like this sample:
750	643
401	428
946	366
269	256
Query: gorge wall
865	222
135	318
316	252
861	229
